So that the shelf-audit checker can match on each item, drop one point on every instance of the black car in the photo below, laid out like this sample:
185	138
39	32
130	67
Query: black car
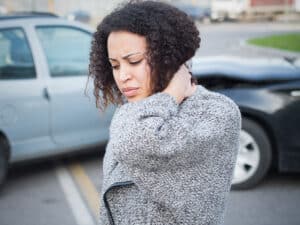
267	92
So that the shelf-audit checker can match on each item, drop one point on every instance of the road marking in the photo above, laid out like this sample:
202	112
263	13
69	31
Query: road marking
87	187
76	203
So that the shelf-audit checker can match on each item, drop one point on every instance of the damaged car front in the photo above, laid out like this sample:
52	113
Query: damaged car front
267	92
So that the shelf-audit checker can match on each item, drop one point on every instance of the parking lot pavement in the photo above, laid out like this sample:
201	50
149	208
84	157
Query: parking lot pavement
32	196
79	192
230	39
52	192
275	202
66	192
85	172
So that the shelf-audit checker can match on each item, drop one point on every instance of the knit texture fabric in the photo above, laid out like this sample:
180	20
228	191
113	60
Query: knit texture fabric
177	160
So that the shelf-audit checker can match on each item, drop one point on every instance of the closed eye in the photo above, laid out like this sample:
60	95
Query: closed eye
115	67
135	62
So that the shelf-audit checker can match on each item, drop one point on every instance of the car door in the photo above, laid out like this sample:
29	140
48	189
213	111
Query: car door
24	108
74	119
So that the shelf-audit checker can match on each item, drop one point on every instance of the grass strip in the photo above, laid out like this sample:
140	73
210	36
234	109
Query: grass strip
289	42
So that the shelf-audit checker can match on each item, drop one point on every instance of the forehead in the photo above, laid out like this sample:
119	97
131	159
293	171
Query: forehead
120	43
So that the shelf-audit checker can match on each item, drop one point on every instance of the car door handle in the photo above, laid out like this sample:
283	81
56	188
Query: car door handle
46	94
295	93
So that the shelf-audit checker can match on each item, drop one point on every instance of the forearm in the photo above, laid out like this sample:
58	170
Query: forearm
147	130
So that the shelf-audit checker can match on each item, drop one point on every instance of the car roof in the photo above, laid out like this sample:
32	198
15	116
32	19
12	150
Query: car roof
27	15
39	19
260	69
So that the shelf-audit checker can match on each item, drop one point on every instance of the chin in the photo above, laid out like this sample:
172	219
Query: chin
135	98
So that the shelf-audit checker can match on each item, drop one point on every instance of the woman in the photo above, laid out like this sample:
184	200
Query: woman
173	144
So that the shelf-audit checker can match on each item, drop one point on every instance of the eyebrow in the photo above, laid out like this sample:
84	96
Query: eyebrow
126	56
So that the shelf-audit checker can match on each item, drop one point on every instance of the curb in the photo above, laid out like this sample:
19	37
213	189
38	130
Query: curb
285	53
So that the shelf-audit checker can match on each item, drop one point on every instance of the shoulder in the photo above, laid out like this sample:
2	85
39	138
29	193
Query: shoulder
221	102
206	102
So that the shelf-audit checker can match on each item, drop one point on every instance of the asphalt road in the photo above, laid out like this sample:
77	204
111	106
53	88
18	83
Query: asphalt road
66	191
230	39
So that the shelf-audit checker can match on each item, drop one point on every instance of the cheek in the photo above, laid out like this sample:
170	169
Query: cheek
115	76
144	75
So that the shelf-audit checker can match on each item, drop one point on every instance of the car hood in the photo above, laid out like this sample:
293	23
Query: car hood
261	69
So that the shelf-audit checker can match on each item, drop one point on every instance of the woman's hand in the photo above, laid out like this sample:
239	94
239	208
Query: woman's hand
180	86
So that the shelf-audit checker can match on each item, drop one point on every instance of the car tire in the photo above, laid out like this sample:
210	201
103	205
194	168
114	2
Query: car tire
254	156
3	161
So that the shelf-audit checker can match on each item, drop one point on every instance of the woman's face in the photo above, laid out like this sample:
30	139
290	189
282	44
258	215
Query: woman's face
131	71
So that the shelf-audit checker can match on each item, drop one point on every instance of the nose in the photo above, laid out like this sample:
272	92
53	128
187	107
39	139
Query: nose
124	74
124	77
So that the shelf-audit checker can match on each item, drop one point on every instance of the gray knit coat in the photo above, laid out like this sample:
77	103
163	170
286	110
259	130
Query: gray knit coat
170	164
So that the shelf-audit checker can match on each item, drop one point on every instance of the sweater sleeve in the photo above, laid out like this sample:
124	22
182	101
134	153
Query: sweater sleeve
149	132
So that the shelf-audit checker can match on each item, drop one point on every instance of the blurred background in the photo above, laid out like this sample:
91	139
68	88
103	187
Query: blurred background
52	137
92	11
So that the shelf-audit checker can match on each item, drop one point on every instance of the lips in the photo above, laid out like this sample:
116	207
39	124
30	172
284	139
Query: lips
130	91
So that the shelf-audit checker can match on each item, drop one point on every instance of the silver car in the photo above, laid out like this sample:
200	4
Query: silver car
43	75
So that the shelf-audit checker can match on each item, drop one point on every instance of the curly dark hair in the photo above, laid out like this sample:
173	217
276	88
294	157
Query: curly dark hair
171	36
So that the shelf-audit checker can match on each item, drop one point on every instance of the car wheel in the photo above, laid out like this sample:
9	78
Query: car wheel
3	162
254	156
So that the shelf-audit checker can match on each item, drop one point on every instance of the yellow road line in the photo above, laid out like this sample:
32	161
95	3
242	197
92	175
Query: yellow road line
80	210
87	187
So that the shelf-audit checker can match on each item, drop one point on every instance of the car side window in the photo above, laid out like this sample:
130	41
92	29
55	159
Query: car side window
66	48
16	60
